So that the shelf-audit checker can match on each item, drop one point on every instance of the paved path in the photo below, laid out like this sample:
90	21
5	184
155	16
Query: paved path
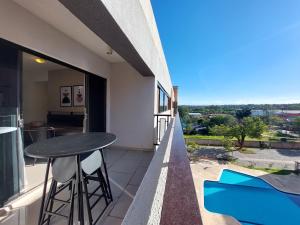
269	158
271	154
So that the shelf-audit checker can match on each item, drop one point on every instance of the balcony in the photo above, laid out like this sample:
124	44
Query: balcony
126	169
155	188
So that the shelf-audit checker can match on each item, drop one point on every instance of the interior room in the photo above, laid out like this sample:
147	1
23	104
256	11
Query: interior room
53	104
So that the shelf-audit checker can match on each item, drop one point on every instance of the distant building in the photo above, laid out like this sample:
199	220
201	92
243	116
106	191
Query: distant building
197	115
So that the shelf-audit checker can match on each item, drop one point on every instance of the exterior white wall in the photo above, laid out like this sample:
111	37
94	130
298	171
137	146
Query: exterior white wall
135	18
132	107
132	99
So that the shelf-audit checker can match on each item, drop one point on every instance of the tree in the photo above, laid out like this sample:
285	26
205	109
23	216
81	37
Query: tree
276	121
296	125
184	114
242	113
228	145
252	127
222	119
183	111
188	128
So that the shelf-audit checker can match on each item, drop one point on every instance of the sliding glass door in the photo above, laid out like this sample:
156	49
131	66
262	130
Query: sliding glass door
11	145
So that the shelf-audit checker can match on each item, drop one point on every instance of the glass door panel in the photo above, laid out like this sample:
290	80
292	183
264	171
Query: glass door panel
11	151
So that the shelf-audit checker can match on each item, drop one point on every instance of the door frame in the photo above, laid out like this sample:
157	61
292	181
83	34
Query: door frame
91	105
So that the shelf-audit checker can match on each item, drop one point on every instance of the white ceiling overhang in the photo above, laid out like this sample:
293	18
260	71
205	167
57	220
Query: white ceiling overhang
58	16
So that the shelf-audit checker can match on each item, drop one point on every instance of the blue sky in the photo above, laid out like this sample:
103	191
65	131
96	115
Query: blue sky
232	51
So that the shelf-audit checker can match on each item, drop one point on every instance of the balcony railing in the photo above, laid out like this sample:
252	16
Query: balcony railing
167	193
161	123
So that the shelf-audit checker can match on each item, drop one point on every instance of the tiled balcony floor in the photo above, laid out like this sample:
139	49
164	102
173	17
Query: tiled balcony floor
126	169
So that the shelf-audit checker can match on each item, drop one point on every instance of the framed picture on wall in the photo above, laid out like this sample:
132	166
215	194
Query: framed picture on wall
65	96
78	95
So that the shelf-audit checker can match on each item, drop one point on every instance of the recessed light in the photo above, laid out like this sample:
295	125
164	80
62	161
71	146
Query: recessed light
40	60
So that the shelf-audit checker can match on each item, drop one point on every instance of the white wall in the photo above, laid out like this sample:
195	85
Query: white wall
135	18
132	107
35	91
58	78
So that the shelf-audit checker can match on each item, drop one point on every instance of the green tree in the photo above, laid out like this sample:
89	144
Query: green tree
184	114
221	119
228	145
277	121
249	126
242	113
188	128
296	125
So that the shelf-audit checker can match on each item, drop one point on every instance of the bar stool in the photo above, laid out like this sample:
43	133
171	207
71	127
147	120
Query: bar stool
63	172
91	167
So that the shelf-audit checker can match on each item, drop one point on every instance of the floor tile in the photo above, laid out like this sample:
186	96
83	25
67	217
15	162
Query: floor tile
146	159
138	176
118	182
112	155
124	202
126	169
128	163
111	221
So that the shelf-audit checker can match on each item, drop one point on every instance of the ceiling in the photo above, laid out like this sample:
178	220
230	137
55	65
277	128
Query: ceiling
29	64
55	14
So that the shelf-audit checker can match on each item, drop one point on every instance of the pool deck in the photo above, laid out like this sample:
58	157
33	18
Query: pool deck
210	170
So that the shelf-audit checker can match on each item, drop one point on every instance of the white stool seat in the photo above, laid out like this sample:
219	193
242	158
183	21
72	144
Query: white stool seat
90	164
63	169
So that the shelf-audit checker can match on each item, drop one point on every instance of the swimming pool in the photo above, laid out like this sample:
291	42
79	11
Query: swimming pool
251	200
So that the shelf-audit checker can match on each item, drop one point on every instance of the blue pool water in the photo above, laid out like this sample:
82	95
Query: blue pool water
251	200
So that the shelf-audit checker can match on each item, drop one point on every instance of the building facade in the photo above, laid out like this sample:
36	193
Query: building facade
67	67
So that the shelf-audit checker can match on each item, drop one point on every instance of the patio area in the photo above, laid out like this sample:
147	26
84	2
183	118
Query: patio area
126	169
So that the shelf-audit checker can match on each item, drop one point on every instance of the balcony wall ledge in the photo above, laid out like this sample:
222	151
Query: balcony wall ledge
167	193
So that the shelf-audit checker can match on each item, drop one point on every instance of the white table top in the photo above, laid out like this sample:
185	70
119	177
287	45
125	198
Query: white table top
4	130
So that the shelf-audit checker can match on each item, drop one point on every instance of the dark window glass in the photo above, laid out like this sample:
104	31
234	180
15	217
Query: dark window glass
165	102
161	100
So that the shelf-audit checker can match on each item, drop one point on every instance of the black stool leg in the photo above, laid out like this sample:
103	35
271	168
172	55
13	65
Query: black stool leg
89	210
70	222
79	191
103	185
42	209
106	175
49	201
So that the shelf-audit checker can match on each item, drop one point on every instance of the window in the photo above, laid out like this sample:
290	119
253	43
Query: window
166	100
163	100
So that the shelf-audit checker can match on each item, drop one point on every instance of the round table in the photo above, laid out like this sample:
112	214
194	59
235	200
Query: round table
71	145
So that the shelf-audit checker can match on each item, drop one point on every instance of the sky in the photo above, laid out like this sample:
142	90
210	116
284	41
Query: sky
232	51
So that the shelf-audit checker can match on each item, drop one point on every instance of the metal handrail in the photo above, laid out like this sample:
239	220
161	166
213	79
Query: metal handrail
159	124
